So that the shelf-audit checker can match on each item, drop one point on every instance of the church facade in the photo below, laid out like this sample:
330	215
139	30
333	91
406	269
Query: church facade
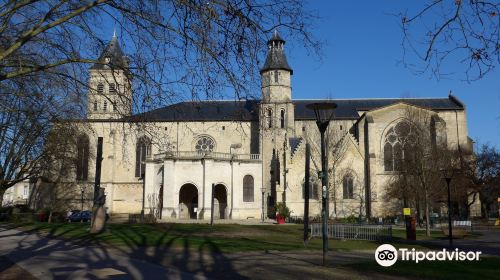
249	155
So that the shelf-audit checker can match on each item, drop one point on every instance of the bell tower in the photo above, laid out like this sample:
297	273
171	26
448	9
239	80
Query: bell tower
110	85
276	119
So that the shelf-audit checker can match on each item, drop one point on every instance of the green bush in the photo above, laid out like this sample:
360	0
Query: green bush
282	209
43	214
6	210
349	220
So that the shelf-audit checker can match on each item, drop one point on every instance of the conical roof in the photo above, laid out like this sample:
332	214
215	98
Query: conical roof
112	57
276	58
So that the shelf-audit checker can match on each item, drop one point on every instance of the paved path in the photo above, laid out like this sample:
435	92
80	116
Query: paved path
47	258
488	242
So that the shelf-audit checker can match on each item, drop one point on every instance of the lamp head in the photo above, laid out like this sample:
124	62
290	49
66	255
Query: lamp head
323	112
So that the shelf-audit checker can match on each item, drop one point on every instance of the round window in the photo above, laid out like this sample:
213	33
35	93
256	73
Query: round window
204	143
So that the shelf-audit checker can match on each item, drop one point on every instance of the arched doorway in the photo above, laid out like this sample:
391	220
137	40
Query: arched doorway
220	202
188	201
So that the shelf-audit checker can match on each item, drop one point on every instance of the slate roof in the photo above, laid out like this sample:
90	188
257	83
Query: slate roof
204	111
276	58
247	110
117	58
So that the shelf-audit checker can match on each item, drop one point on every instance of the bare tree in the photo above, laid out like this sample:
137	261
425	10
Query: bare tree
483	175
336	147
26	119
416	160
440	32
177	50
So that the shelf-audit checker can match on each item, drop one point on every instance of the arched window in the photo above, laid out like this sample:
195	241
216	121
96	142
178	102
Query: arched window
95	105
270	118
398	139
112	88
314	188
348	188
82	158
204	143
282	118
248	189
388	159
142	151
100	88
105	106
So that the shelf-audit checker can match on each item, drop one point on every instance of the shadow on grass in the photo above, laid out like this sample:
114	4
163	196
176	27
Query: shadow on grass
128	251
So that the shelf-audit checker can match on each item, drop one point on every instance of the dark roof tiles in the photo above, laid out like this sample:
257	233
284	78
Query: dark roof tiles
276	58
248	110
117	58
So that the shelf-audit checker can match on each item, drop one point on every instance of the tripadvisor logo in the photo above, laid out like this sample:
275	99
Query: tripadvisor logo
387	255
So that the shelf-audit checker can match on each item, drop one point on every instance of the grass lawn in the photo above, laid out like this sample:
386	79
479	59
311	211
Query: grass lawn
225	238
485	268
400	234
435	234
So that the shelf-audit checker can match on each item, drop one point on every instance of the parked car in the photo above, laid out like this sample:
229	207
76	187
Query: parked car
83	216
71	212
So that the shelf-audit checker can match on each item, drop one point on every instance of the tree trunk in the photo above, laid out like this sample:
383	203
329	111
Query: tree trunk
50	216
427	219
2	192
419	213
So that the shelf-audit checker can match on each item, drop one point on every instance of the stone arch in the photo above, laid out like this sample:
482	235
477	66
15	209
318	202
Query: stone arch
188	201
220	201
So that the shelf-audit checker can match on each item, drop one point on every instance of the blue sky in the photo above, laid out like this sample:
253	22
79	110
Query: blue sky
361	60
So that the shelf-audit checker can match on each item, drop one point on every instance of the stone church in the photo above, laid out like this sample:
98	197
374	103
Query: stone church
250	154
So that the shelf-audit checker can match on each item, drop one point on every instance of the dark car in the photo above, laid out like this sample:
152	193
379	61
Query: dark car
71	212
83	216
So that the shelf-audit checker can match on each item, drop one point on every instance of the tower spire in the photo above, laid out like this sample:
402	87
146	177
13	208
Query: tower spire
276	58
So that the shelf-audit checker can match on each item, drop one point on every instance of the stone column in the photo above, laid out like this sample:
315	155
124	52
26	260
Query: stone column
170	191
205	196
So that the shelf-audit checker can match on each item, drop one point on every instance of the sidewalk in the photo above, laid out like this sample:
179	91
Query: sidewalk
488	242
10	271
46	258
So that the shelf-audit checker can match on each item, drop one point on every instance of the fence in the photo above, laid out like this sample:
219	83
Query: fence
354	231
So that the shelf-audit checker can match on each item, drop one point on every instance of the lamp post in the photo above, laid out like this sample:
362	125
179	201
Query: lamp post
233	146
143	178
447	175
82	200
263	206
324	113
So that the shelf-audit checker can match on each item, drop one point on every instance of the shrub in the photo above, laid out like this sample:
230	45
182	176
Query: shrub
282	209
352	219
43	214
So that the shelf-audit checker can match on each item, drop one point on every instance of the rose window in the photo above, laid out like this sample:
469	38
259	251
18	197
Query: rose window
205	144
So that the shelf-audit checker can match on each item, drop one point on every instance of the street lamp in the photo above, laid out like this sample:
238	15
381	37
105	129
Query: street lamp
143	178
234	146
82	199
447	175
263	190
324	113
